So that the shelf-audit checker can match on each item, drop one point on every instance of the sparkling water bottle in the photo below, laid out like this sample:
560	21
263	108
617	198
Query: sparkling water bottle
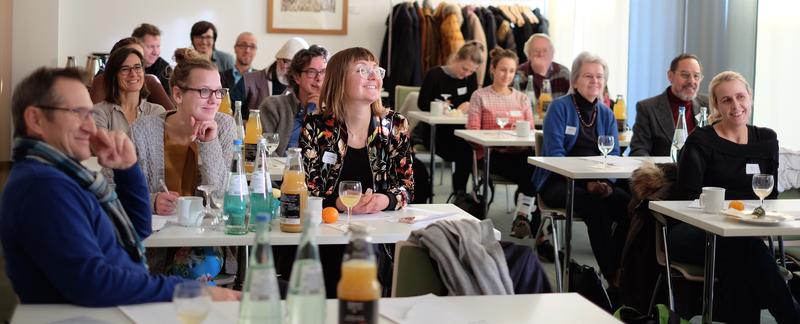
234	206
260	186
680	135
305	302
261	300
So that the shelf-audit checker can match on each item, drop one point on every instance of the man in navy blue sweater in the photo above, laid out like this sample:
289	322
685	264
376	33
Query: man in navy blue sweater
67	236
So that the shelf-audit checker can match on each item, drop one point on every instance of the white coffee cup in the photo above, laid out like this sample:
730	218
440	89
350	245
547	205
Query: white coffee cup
437	108
314	210
190	211
523	128
712	199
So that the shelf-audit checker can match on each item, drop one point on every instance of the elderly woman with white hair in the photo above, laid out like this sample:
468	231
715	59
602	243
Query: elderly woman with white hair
571	128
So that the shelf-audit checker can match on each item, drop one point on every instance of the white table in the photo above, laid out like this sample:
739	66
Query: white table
430	119
174	235
576	168
720	225
540	308
489	139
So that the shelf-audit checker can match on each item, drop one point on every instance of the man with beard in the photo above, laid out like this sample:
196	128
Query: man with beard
245	49
273	80
656	117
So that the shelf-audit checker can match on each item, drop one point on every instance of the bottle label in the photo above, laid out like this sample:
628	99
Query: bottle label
237	185
311	277
290	209
250	151
358	312
257	182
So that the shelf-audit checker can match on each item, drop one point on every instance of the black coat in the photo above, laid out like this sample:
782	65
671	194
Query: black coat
405	65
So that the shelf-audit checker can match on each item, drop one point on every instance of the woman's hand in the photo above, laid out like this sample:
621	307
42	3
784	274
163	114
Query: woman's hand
599	188
224	294
166	202
204	130
369	203
464	107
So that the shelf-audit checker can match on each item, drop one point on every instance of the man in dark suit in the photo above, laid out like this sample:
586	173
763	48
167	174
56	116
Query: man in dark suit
656	116
245	49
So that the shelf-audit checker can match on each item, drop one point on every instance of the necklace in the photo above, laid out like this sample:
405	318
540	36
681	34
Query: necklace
577	110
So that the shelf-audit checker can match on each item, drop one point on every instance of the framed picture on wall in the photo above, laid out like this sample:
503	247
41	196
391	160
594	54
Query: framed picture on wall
328	17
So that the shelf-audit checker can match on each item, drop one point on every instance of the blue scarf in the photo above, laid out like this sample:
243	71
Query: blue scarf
95	182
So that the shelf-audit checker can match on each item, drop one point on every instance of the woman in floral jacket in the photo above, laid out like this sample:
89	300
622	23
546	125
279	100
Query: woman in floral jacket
355	138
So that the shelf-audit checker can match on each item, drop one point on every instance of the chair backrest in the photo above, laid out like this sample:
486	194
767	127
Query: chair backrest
538	138
415	273
409	104
400	93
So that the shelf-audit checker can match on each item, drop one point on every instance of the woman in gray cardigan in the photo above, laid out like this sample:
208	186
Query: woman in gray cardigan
201	137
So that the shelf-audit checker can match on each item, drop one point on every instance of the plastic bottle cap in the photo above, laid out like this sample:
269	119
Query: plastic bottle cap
237	141
262	217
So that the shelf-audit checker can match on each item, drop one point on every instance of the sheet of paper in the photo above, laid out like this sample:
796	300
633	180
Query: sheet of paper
158	222
80	320
426	309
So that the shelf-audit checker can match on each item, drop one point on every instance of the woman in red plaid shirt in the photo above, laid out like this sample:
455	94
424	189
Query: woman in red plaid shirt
500	100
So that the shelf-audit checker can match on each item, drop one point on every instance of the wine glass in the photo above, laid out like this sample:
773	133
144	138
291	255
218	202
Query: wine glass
209	211
192	301
349	194
762	186
502	120
445	96
605	143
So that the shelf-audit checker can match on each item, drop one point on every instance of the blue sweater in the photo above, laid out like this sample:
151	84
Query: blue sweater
561	114
60	246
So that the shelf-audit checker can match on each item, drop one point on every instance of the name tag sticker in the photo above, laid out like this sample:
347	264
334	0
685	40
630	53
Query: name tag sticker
462	91
571	130
328	158
515	113
752	168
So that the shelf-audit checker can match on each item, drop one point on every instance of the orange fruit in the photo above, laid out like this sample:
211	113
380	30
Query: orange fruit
330	215
736	204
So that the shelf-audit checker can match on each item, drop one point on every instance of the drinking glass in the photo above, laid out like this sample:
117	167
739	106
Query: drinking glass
273	139
209	211
502	120
445	96
192	301
762	186
349	194
605	143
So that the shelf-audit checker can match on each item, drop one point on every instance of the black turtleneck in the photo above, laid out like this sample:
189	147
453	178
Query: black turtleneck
586	145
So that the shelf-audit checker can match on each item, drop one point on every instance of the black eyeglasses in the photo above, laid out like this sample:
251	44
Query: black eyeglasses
313	73
82	113
206	92
247	46
127	69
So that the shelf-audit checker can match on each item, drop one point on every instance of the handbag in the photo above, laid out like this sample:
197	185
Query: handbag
584	280
661	315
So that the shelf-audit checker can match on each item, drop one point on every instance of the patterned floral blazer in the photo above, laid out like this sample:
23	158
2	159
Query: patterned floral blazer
388	149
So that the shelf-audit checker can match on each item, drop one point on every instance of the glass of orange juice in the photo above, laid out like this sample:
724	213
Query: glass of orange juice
349	194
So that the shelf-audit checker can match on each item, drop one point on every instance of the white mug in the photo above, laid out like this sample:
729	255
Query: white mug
437	108
314	209
712	199
523	128
190	211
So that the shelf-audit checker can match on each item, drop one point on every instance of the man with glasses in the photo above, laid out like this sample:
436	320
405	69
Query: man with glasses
68	237
273	80
656	117
150	36
284	114
245	50
540	51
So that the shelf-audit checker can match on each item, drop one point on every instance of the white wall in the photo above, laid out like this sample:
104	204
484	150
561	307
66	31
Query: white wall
776	70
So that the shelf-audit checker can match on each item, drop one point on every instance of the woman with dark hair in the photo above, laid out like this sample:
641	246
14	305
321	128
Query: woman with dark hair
126	93
355	138
284	114
204	39
457	81
99	92
500	100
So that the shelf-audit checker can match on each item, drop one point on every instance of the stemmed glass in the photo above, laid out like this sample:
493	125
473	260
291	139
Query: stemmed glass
273	139
605	143
445	96
762	186
192	301
210	211
502	120
349	194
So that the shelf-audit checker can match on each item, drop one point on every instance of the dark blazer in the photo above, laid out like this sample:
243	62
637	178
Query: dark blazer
654	127
236	89
256	87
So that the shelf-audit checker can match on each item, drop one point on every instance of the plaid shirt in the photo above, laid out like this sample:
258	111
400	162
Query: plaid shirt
557	73
486	105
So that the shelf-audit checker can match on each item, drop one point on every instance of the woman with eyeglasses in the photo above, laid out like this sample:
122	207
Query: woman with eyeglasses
355	138
126	97
192	145
184	148
204	39
284	114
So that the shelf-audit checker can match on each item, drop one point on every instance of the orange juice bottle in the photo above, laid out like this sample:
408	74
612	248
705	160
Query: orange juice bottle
294	193
358	289
545	98
225	104
619	108
252	133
